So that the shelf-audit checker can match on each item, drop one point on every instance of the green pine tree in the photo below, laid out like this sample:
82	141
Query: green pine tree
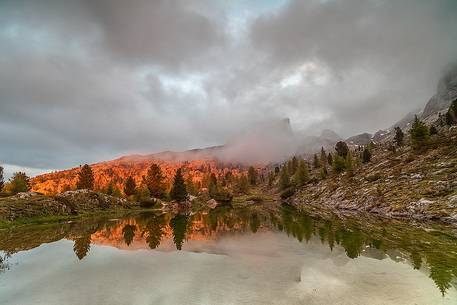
243	184
366	155
191	187
419	133
301	176
339	164
316	162
110	188
85	178
284	179
212	186
178	191
342	149
323	157
130	186
399	135
349	162
329	159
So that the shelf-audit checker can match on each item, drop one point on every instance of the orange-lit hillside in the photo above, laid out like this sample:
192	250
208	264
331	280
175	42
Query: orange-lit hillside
118	170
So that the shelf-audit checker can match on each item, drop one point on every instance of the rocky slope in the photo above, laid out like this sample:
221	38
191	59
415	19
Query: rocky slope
394	184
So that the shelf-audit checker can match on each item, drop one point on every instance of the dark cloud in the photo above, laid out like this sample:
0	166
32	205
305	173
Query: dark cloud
82	81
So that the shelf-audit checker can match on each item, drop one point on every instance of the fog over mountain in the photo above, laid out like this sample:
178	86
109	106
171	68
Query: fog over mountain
83	81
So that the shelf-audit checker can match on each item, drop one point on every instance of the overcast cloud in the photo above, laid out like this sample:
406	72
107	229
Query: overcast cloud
83	81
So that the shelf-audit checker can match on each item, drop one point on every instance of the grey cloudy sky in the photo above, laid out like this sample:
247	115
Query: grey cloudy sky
83	81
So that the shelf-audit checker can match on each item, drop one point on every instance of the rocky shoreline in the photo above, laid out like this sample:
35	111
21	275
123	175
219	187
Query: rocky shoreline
71	203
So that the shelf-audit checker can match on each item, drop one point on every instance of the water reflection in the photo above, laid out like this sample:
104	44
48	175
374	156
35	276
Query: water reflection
430	248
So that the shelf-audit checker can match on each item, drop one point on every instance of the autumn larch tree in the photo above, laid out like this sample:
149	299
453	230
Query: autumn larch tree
154	181
399	136
130	186
178	191
85	178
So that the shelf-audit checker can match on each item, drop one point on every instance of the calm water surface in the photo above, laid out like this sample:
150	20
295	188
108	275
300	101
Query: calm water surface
229	256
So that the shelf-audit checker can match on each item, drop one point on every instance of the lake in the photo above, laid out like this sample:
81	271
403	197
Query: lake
250	255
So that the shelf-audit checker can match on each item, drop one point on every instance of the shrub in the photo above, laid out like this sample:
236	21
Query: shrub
287	193
339	164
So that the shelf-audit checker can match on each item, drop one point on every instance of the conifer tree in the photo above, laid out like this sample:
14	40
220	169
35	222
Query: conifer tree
316	162
190	186
342	149
323	157
128	233
419	133
433	130
130	186
110	188
324	172
271	177
349	162
85	178
178	191
252	176
2	181
330	159
294	163
284	179
301	176
179	227
339	164
399	135
155	181
19	183
366	155
243	184
212	186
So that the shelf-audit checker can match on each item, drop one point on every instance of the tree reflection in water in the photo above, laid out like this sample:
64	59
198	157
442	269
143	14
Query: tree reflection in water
433	249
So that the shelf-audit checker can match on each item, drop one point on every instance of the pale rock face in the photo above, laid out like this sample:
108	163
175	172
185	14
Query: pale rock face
446	93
